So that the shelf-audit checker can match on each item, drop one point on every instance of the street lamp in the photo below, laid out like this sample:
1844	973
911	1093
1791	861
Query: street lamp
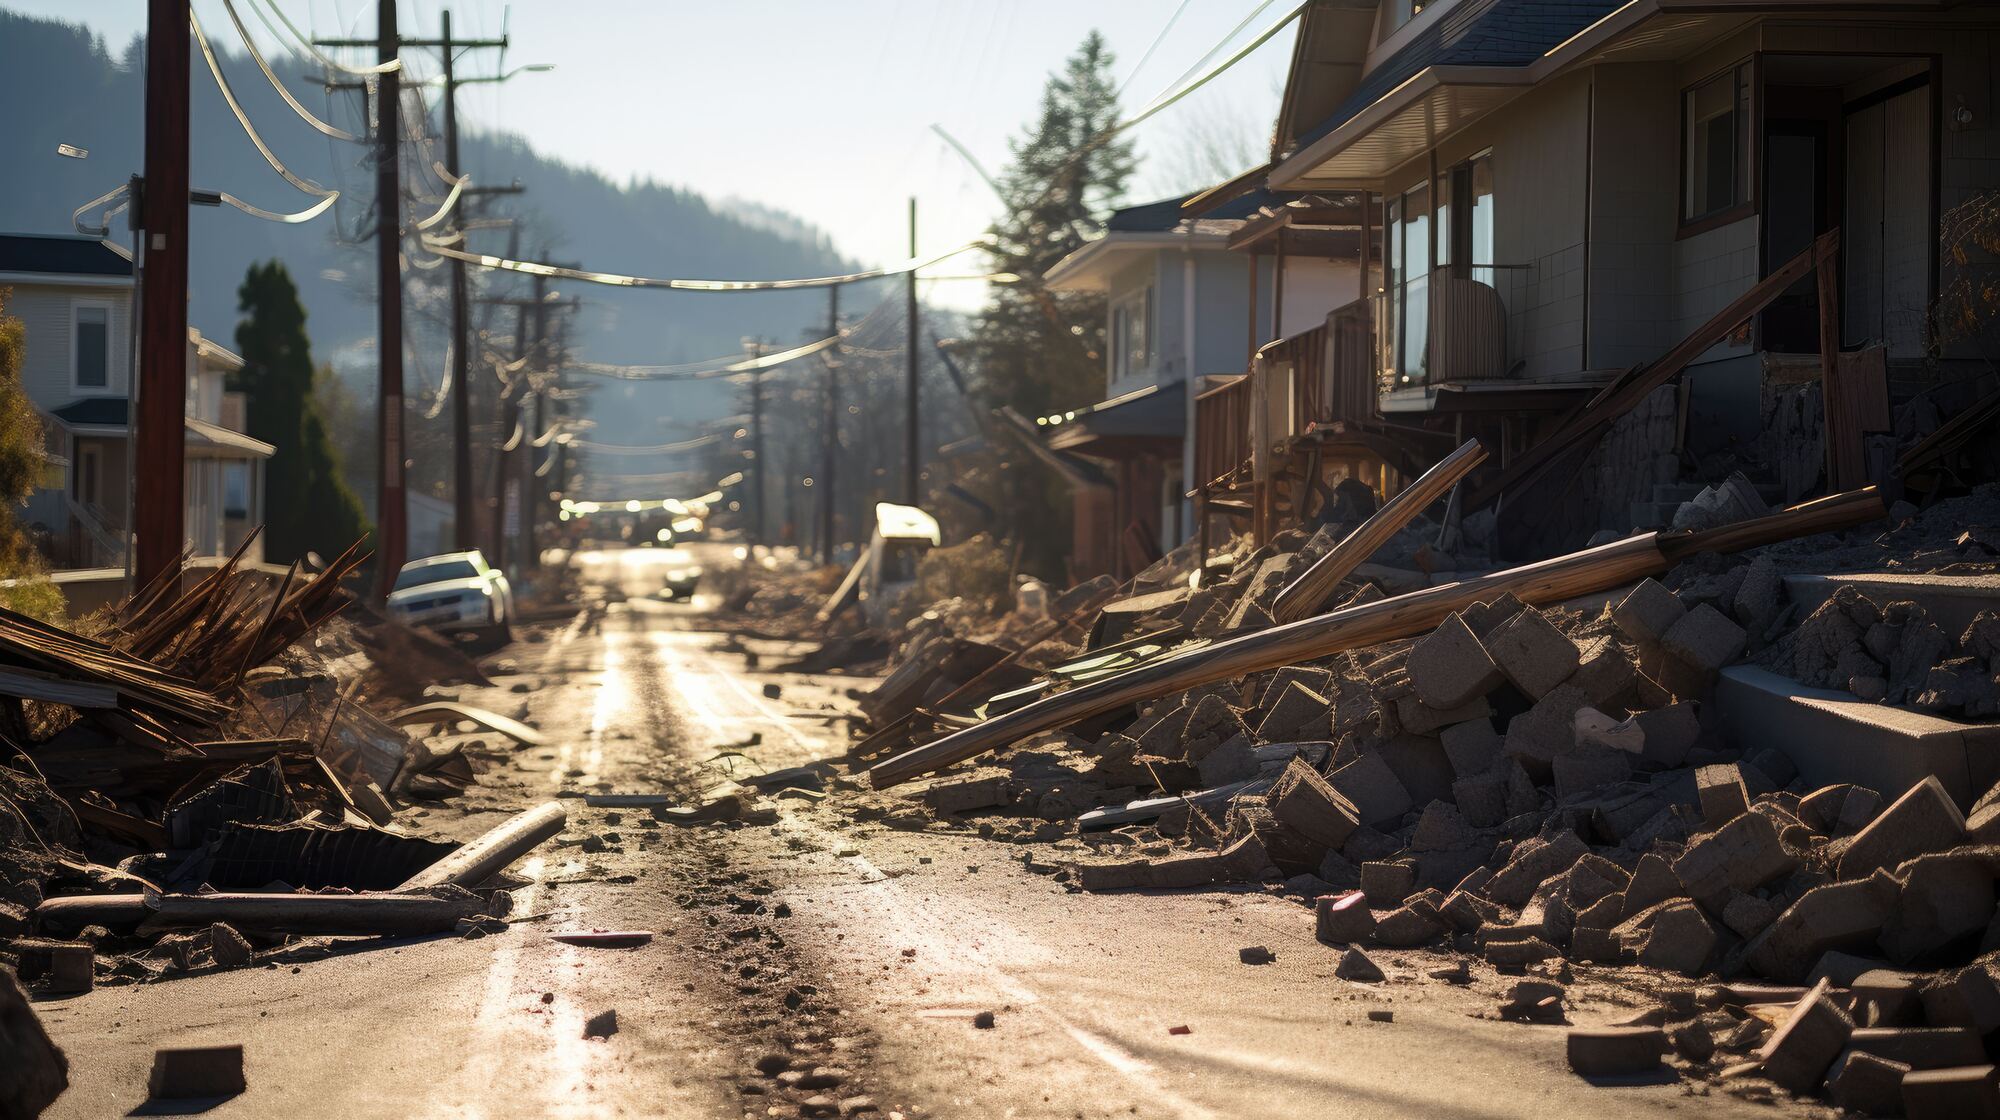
530	68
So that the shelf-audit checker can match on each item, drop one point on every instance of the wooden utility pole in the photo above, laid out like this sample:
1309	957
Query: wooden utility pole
461	338
829	450
756	487
159	447
912	459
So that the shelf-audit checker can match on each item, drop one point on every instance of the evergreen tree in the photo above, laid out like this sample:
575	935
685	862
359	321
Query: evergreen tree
307	506
22	459
1035	350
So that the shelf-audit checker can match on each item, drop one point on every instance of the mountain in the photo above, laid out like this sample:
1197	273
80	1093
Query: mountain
64	86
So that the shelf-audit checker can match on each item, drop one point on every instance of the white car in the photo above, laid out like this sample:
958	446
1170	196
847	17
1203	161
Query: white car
457	591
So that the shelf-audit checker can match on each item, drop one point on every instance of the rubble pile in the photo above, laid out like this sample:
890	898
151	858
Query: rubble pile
1541	786
194	749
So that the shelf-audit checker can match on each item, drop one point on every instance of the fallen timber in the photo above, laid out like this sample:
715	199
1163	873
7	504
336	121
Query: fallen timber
487	856
1543	582
1307	595
381	914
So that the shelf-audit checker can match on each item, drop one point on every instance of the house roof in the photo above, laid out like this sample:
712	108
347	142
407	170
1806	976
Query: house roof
1143	421
115	412
1476	33
60	255
95	412
1166	215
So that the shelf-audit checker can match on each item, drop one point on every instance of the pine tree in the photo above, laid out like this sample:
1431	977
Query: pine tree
307	505
1037	351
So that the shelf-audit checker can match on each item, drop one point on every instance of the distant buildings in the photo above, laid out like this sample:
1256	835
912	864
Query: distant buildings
74	296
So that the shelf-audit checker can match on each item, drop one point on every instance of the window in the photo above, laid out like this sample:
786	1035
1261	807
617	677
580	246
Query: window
1409	230
90	348
88	463
1472	236
1715	148
1403	11
236	490
1131	324
1460	205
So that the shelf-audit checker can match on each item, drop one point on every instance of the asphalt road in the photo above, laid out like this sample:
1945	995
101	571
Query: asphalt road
857	953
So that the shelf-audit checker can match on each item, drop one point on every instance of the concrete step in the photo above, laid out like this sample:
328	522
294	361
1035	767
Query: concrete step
1951	601
1834	737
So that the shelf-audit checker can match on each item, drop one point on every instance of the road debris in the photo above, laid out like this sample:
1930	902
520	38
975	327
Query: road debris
182	1073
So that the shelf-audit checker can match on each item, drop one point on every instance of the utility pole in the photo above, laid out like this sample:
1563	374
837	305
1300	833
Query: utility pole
756	488
159	449
912	461
392	511
829	428
461	403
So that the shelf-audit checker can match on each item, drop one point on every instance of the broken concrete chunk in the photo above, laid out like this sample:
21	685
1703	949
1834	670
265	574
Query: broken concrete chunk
1289	711
1538	735
1647	612
1748	915
1722	793
1704	639
1587	768
1342	919
1449	666
968	794
1799	1052
1387	883
1532	654
1681	939
1419	718
1833	916
1472	747
1741	855
1959	1093
1482	799
1373	789
1606	676
1309	804
1864	1083
1964	997
1920	1047
1354	965
35	1072
1596	729
1922	820
1407	927
1946	897
1614	1051
196	1071
1532	861
1653	882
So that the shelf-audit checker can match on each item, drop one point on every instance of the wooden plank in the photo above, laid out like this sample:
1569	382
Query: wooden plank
1548	581
1307	594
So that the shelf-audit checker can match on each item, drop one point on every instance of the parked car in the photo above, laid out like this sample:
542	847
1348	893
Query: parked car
453	593
682	574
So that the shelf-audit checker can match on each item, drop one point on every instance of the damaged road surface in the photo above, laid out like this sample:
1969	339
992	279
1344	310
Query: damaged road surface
812	957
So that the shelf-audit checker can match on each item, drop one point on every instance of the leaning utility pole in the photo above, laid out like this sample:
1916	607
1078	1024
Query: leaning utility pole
829	449
159	449
912	488
461	336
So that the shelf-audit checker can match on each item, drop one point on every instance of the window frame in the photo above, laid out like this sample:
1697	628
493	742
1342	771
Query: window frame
1746	100
1121	312
76	308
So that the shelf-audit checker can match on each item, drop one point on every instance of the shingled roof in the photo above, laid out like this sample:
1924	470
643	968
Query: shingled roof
61	255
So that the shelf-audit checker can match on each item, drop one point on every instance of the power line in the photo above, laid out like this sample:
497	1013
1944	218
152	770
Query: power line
1155	45
312	51
257	56
306	186
536	268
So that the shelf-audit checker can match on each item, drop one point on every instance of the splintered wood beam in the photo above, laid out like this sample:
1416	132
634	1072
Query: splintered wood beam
483	858
1587	572
1307	595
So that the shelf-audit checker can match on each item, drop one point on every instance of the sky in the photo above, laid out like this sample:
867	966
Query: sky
822	108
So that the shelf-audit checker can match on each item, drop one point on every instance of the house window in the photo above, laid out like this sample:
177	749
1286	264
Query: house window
88	464
236	490
1716	144
1472	231
1409	230
1460	204
1403	11
1131	326
90	347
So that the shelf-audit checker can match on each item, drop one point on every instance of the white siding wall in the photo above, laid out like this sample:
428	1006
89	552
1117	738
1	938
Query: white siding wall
1315	286
45	310
1635	126
1710	269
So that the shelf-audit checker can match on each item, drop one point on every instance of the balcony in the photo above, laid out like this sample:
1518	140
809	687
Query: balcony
1221	429
1452	328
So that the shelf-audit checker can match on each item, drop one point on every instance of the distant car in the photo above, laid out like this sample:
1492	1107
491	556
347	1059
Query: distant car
454	592
681	576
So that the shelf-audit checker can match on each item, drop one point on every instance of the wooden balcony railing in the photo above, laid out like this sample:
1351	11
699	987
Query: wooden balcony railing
1221	429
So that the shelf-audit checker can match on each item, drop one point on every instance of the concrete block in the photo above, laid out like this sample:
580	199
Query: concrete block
1289	711
1959	1093
1466	912
1605	913
196	1071
1419	718
1486	617
1982	824
1482	799
1647	612
969	794
1740	856
1580	769
1387	882
1671	731
1420	764
1538	735
1863	1083
1472	747
1341	919
1532	654
1681	939
1964	997
1532	861
1597	729
1309	804
1798	1054
1449	666
1946	897
1921	1047
1606	676
1517	953
1356	966
1233	761
1722	793
1835	738
1373	789
1653	882
1407	927
1887	997
1922	820
1614	1051
1846	915
1748	915
1951	601
1704	639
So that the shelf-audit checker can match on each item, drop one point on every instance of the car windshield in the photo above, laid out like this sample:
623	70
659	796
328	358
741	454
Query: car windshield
417	576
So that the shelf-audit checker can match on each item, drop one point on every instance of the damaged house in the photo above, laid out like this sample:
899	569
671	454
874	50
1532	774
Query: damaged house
1617	243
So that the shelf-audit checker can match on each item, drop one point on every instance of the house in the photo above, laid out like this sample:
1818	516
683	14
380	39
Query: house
1185	298
74	295
1706	213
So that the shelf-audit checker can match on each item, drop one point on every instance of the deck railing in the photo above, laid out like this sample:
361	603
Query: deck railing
1221	428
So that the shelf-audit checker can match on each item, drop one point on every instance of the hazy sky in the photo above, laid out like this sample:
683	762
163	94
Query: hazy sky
819	107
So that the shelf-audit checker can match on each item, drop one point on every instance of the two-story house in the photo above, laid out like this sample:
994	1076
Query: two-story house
1186	299
74	295
1572	195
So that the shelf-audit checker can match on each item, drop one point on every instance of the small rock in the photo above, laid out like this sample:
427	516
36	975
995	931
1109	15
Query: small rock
1355	965
1256	954
604	1024
983	1020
